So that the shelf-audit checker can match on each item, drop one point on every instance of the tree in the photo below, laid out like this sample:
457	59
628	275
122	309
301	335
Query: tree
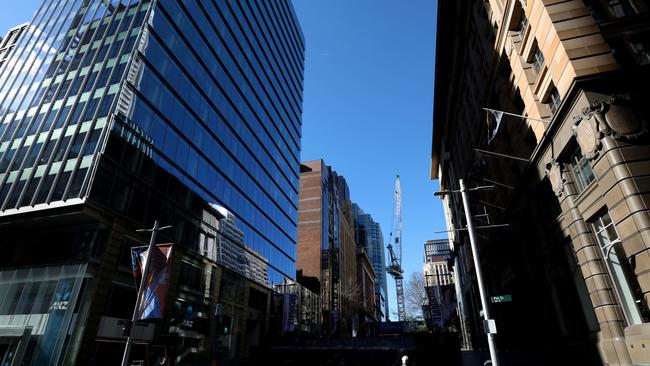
415	296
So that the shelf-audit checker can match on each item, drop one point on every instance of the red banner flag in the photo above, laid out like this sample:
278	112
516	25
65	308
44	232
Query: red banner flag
153	295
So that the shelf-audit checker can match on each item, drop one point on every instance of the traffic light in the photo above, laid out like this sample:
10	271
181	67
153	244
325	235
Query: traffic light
126	329
226	323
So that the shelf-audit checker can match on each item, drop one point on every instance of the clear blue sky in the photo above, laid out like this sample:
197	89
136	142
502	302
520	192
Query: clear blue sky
368	105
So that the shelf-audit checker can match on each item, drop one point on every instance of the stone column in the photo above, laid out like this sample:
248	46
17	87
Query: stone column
610	134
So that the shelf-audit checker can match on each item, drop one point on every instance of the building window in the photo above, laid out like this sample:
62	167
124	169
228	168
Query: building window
623	8
554	100
538	60
523	23
622	274
581	170
641	47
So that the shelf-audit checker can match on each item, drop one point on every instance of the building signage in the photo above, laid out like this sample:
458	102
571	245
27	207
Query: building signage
62	297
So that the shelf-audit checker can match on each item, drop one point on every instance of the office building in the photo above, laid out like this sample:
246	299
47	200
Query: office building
366	278
368	236
436	248
326	249
114	114
8	42
439	284
571	180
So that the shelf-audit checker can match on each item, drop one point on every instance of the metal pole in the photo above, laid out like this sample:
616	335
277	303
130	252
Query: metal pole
127	349
501	155
517	115
479	274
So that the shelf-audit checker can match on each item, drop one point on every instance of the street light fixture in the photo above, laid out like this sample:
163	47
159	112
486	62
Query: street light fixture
488	324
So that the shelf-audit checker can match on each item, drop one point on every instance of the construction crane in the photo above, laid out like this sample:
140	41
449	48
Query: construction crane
395	251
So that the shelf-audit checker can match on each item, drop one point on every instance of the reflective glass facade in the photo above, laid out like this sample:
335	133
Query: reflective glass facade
215	89
116	113
207	92
368	235
56	91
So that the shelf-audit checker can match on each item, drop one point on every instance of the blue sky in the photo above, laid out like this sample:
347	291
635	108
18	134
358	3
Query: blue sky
16	12
368	105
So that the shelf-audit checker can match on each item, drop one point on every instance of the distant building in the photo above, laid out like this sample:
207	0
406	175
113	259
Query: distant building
369	236
439	282
366	288
301	308
437	247
8	42
326	248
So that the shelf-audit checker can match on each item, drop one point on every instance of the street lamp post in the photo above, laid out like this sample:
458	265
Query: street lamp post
145	271
488	324
490	330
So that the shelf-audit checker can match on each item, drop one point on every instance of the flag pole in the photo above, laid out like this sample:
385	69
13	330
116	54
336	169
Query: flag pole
517	115
499	184
145	272
501	155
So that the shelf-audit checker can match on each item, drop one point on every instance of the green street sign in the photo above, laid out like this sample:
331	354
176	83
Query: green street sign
502	298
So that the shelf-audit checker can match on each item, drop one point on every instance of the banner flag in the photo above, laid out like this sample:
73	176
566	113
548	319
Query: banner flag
153	295
289	310
493	122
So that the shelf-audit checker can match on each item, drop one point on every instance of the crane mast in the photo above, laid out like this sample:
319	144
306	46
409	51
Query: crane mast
395	250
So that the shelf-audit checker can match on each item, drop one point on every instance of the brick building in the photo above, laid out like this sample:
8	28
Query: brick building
326	247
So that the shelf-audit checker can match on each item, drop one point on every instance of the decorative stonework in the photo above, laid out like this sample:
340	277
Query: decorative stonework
617	117
587	135
620	118
554	174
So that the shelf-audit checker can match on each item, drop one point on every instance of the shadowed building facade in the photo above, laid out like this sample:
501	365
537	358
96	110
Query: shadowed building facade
117	113
575	257
326	245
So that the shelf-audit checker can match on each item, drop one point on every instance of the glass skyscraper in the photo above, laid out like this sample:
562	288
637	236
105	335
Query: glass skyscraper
368	235
116	113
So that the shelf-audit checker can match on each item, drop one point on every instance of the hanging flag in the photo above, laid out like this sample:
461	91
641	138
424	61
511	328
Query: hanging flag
493	122
136	267
153	294
289	312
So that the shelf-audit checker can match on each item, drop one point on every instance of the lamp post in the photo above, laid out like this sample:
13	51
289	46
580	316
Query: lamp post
488	324
145	273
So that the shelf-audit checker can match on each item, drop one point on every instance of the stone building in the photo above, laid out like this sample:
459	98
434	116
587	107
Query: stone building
572	181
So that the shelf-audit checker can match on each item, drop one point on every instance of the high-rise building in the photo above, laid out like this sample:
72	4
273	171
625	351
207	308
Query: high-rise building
117	113
439	283
438	248
569	165
8	42
368	236
326	244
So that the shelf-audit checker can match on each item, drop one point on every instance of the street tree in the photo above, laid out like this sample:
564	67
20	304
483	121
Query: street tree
415	296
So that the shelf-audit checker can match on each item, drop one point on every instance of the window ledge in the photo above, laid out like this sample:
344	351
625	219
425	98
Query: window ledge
586	192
